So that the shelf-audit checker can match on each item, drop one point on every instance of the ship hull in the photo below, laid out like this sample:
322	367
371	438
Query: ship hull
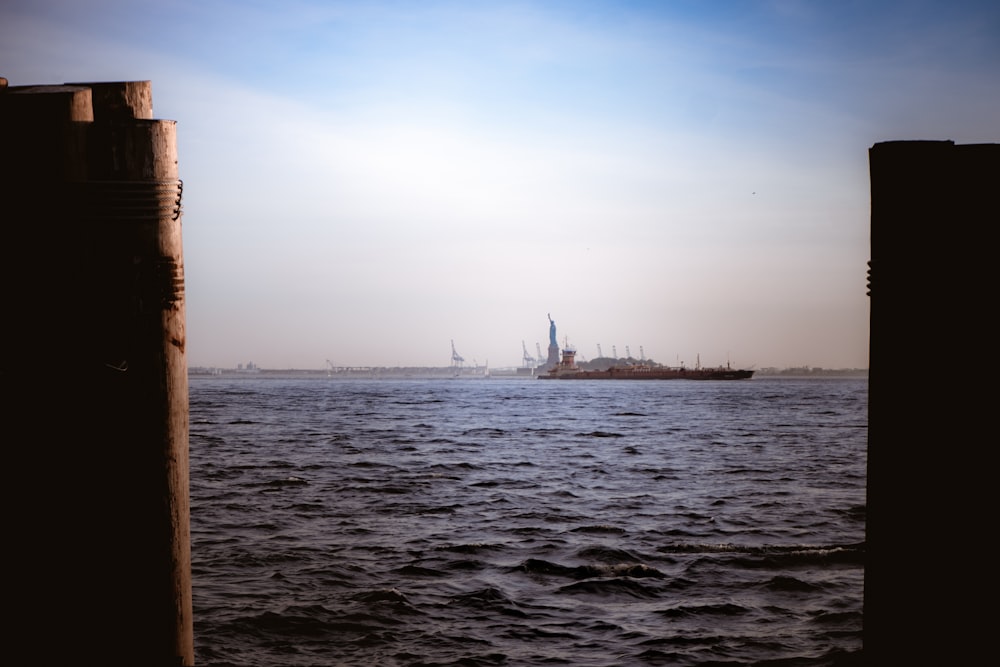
649	374
568	370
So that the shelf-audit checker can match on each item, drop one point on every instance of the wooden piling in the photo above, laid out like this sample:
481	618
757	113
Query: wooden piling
98	375
930	472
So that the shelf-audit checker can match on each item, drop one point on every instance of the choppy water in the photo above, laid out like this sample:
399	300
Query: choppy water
518	522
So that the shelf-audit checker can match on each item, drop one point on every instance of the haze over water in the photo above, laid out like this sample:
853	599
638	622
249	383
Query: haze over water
365	182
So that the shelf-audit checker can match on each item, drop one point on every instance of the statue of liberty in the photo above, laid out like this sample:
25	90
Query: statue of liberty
553	359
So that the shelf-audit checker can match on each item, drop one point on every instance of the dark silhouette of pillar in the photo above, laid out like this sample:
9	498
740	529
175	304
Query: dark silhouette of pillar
96	378
934	207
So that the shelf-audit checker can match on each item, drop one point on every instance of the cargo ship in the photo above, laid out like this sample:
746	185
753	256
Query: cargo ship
567	369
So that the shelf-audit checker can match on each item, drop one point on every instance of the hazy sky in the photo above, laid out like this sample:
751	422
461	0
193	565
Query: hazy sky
365	182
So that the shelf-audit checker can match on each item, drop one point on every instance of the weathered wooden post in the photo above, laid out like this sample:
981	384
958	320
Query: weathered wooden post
96	334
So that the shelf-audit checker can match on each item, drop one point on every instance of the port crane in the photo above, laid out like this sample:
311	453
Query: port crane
456	358
529	361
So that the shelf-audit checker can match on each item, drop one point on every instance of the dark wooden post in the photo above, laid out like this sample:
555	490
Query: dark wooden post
98	376
934	205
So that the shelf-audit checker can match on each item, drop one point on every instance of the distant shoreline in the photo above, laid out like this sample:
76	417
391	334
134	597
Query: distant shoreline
812	372
472	373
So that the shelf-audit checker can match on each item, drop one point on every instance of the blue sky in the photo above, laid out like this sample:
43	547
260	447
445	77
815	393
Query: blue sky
367	181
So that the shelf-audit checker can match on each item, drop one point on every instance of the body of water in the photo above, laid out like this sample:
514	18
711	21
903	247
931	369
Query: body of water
516	522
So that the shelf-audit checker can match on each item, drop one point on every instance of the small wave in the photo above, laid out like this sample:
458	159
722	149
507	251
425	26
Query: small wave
856	512
601	529
795	550
607	555
721	609
390	490
424	510
462	465
417	571
484	660
389	596
852	619
470	548
790	584
635	570
311	621
308	508
488	598
465	565
370	464
582	572
610	588
540	566
492	432
288	481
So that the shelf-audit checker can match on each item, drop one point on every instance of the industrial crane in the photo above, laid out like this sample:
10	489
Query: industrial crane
529	361
456	358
